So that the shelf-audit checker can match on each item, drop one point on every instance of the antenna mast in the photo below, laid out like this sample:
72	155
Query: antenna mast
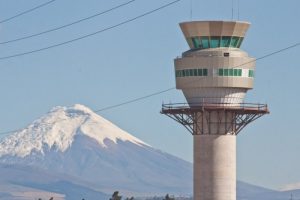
238	2
231	9
191	11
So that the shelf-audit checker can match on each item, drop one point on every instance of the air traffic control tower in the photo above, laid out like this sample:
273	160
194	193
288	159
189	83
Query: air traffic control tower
214	76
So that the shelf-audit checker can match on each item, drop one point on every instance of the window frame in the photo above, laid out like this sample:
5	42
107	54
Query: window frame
215	39
227	44
202	38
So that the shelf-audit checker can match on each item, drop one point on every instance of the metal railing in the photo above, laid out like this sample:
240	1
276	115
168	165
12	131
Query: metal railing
249	106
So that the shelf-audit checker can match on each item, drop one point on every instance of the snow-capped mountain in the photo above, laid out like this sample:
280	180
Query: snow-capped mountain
76	142
58	129
73	153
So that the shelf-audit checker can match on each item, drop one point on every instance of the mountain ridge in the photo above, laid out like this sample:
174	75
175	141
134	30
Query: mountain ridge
81	144
57	129
73	147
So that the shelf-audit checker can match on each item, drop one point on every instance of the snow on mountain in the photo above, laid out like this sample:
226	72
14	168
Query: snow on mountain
291	186
76	142
74	153
58	128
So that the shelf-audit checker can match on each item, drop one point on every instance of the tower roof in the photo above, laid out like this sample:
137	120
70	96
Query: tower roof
214	28
214	34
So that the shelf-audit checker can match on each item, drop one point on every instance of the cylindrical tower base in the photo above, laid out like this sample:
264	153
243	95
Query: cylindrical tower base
214	167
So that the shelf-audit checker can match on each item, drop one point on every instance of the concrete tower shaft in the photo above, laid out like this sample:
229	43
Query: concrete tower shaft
214	128
214	75
214	167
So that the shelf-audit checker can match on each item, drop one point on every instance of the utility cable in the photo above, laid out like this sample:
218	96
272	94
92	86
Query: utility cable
172	88
91	34
108	107
267	55
67	25
134	100
27	11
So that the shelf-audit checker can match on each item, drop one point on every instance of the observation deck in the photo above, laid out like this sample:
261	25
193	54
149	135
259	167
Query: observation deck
214	118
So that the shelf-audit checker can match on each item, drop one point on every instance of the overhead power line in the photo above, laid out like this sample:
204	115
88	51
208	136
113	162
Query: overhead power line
108	107
172	88
268	55
91	34
67	25
135	100
27	11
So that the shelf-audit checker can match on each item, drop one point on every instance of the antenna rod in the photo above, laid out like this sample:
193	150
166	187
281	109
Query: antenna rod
191	12
238	9
231	9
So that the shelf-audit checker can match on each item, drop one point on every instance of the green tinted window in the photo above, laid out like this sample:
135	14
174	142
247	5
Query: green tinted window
205	42
200	72
240	42
225	72
187	72
220	72
234	41
191	72
230	72
214	42
239	72
225	41
196	42
251	73
195	72
235	72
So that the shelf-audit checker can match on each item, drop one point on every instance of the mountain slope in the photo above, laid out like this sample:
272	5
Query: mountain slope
73	153
26	183
57	130
247	191
79	143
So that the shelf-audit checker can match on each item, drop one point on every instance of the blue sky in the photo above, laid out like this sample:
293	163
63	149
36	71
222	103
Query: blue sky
136	59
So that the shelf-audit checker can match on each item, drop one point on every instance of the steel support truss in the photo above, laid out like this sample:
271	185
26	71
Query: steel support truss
215	118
